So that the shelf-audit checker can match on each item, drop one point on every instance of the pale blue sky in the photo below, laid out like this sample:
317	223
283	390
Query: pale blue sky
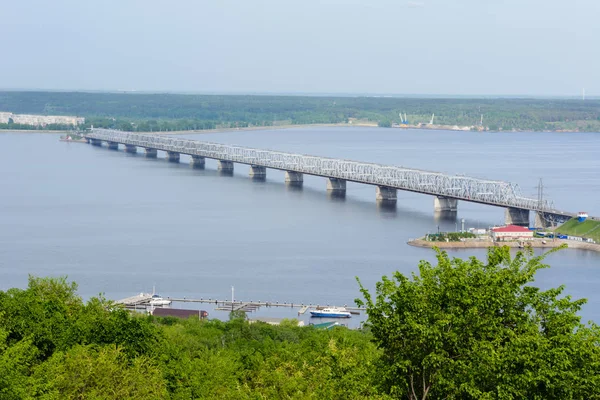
523	47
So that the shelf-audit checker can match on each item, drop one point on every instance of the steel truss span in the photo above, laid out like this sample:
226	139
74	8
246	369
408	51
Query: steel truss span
497	193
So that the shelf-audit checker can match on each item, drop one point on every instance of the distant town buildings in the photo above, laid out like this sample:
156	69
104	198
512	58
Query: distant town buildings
39	120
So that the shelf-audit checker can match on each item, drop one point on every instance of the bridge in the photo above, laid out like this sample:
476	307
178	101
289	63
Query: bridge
446	189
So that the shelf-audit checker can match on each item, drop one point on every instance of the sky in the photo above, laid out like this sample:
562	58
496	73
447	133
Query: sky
414	47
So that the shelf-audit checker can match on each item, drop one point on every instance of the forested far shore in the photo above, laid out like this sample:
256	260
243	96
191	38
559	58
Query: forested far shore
460	329
181	112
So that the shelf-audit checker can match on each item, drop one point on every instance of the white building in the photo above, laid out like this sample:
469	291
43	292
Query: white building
40	120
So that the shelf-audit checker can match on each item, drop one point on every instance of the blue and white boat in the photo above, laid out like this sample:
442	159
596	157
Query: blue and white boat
331	312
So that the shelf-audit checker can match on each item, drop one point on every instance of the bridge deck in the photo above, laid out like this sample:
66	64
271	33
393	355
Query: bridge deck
491	192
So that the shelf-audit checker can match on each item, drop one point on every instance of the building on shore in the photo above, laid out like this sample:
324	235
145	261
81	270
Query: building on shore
511	232
178	313
39	120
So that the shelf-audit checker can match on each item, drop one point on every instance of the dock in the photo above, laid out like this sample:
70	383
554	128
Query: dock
143	299
249	306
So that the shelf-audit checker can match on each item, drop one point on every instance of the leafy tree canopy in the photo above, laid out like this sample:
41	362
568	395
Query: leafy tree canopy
478	330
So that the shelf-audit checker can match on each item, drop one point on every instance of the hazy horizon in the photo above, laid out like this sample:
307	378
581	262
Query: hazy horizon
428	48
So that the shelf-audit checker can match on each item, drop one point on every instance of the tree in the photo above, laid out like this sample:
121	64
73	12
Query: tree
472	330
97	372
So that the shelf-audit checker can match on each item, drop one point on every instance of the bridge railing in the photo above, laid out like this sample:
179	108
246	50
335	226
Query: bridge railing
460	187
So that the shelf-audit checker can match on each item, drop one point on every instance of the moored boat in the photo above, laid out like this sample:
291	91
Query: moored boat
331	312
157	300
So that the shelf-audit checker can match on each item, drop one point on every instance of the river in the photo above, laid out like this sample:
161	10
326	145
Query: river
119	224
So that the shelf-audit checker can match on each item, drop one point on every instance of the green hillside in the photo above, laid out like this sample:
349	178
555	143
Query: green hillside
586	229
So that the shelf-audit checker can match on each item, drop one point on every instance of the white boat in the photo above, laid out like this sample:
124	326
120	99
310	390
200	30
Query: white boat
157	300
331	312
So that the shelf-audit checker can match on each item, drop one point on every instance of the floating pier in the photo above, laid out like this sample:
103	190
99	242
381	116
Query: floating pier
143	299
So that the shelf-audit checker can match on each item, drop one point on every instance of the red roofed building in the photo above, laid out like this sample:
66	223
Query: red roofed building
511	232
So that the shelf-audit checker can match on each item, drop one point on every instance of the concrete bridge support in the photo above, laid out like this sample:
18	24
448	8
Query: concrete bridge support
224	165
516	216
444	204
113	145
96	142
173	156
198	162
258	172
386	194
336	185
150	152
294	178
129	148
543	220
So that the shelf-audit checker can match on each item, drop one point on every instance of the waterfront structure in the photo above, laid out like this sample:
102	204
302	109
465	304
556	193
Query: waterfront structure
511	232
179	313
40	120
446	189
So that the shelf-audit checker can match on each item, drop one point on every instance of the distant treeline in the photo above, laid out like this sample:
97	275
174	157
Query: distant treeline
163	112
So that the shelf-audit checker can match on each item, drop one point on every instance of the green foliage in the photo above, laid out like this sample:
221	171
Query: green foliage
473	330
54	346
174	112
90	372
586	229
451	236
461	329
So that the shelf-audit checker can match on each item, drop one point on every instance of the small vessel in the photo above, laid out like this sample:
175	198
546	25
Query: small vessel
157	300
73	138
331	312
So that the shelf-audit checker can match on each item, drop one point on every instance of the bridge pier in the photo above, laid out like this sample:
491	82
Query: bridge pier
130	148
386	194
113	145
258	172
294	178
96	142
173	156
198	162
445	204
150	152
336	185
544	220
516	216
224	165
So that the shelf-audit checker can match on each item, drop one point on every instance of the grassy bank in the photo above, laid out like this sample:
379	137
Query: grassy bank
585	229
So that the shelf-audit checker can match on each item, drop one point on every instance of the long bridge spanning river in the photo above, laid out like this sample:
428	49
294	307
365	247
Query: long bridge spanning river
446	189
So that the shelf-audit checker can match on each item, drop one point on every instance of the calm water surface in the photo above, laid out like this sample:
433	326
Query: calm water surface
119	223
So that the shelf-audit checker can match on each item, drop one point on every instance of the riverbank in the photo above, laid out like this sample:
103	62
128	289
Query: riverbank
484	244
216	130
